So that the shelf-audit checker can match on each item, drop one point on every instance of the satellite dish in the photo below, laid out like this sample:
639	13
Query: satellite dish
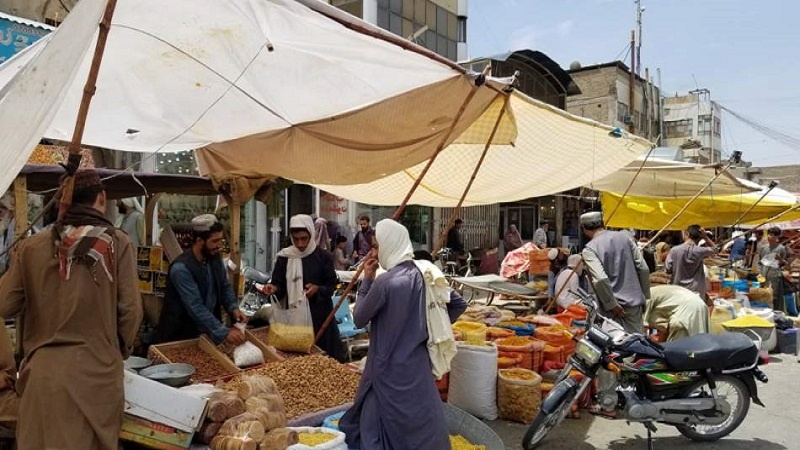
575	65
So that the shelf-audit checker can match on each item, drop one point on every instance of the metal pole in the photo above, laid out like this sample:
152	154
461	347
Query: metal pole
632	81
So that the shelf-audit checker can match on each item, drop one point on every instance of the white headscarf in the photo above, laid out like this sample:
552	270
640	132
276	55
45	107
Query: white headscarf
573	261
294	268
394	245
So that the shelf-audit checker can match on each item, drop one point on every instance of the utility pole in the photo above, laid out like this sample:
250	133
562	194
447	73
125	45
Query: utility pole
639	11
661	138
632	82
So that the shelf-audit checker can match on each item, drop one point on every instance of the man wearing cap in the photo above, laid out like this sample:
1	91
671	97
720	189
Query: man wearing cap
131	220
198	289
78	287
618	271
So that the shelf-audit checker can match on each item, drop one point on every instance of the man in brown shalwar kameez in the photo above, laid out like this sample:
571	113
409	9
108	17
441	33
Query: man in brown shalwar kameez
78	287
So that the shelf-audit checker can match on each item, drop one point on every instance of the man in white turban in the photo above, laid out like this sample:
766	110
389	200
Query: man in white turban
131	220
397	405
306	270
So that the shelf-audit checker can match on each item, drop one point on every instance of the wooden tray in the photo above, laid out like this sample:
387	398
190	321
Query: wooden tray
157	355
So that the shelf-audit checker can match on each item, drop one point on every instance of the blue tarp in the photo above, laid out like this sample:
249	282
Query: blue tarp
15	35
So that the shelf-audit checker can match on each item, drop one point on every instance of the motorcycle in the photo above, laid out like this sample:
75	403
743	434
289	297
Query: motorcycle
702	385
255	305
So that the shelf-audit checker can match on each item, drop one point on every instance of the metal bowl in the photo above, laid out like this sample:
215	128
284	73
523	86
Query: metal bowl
175	375
136	364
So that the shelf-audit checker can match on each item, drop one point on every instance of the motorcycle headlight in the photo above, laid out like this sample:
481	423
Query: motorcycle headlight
588	352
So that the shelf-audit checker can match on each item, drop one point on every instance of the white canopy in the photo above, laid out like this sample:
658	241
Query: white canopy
671	179
554	151
281	87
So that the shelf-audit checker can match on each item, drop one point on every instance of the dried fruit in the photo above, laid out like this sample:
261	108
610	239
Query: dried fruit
206	366
308	384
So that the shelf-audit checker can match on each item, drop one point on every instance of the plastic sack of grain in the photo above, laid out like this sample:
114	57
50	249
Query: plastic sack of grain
473	380
318	438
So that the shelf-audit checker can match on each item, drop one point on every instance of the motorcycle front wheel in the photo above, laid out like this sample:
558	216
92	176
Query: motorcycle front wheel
729	389
544	422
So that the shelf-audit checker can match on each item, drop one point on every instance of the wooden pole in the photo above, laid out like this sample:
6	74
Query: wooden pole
399	211
74	159
457	209
149	214
236	253
636	175
20	229
686	206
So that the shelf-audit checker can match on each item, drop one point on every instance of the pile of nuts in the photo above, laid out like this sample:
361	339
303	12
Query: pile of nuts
308	384
205	366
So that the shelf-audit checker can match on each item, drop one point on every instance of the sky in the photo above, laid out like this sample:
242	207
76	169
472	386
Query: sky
747	53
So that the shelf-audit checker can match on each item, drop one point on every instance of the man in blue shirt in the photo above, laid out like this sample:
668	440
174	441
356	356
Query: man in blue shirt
198	290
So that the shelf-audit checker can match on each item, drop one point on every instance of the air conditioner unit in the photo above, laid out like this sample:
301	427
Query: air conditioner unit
627	119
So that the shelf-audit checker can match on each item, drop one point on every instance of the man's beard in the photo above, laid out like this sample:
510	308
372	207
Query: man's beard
208	254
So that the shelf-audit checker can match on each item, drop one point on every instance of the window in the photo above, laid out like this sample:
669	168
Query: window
396	6
679	128
395	24
383	4
408	29
462	29
452	26
452	50
622	112
408	9
383	18
704	125
430	16
441	21
419	11
717	127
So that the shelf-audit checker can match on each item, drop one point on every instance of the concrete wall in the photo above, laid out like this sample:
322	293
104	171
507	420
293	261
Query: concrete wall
787	176
38	10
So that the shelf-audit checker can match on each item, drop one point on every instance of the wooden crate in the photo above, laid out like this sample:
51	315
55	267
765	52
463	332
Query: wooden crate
156	354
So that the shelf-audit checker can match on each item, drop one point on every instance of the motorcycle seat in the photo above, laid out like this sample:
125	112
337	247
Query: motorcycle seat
707	351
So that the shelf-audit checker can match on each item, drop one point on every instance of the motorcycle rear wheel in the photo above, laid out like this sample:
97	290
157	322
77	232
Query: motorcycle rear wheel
544	422
732	390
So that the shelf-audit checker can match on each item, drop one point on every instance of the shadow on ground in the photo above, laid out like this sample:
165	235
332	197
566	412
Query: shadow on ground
678	442
571	434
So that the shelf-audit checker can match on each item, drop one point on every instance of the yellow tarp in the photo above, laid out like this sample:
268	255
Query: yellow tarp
649	213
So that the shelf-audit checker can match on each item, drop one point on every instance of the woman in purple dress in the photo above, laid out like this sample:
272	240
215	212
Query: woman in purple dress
397	406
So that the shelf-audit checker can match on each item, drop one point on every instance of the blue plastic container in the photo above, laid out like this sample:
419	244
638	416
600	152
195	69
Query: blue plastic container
741	286
332	421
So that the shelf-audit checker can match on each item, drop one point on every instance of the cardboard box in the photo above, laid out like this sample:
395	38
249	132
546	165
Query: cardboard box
159	416
145	281
156	256
159	282
143	258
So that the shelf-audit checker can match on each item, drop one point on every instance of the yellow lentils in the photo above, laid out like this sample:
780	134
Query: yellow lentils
315	439
458	442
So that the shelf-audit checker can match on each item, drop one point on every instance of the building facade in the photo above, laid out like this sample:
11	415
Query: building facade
606	97
693	123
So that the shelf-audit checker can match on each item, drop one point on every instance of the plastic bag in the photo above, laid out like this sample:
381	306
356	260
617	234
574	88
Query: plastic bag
270	419
256	385
272	403
247	354
244	425
279	439
233	443
291	328
519	394
224	405
202	390
208	431
334	440
473	381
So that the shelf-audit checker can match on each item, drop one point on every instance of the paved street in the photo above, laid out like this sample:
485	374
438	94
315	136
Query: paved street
770	428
